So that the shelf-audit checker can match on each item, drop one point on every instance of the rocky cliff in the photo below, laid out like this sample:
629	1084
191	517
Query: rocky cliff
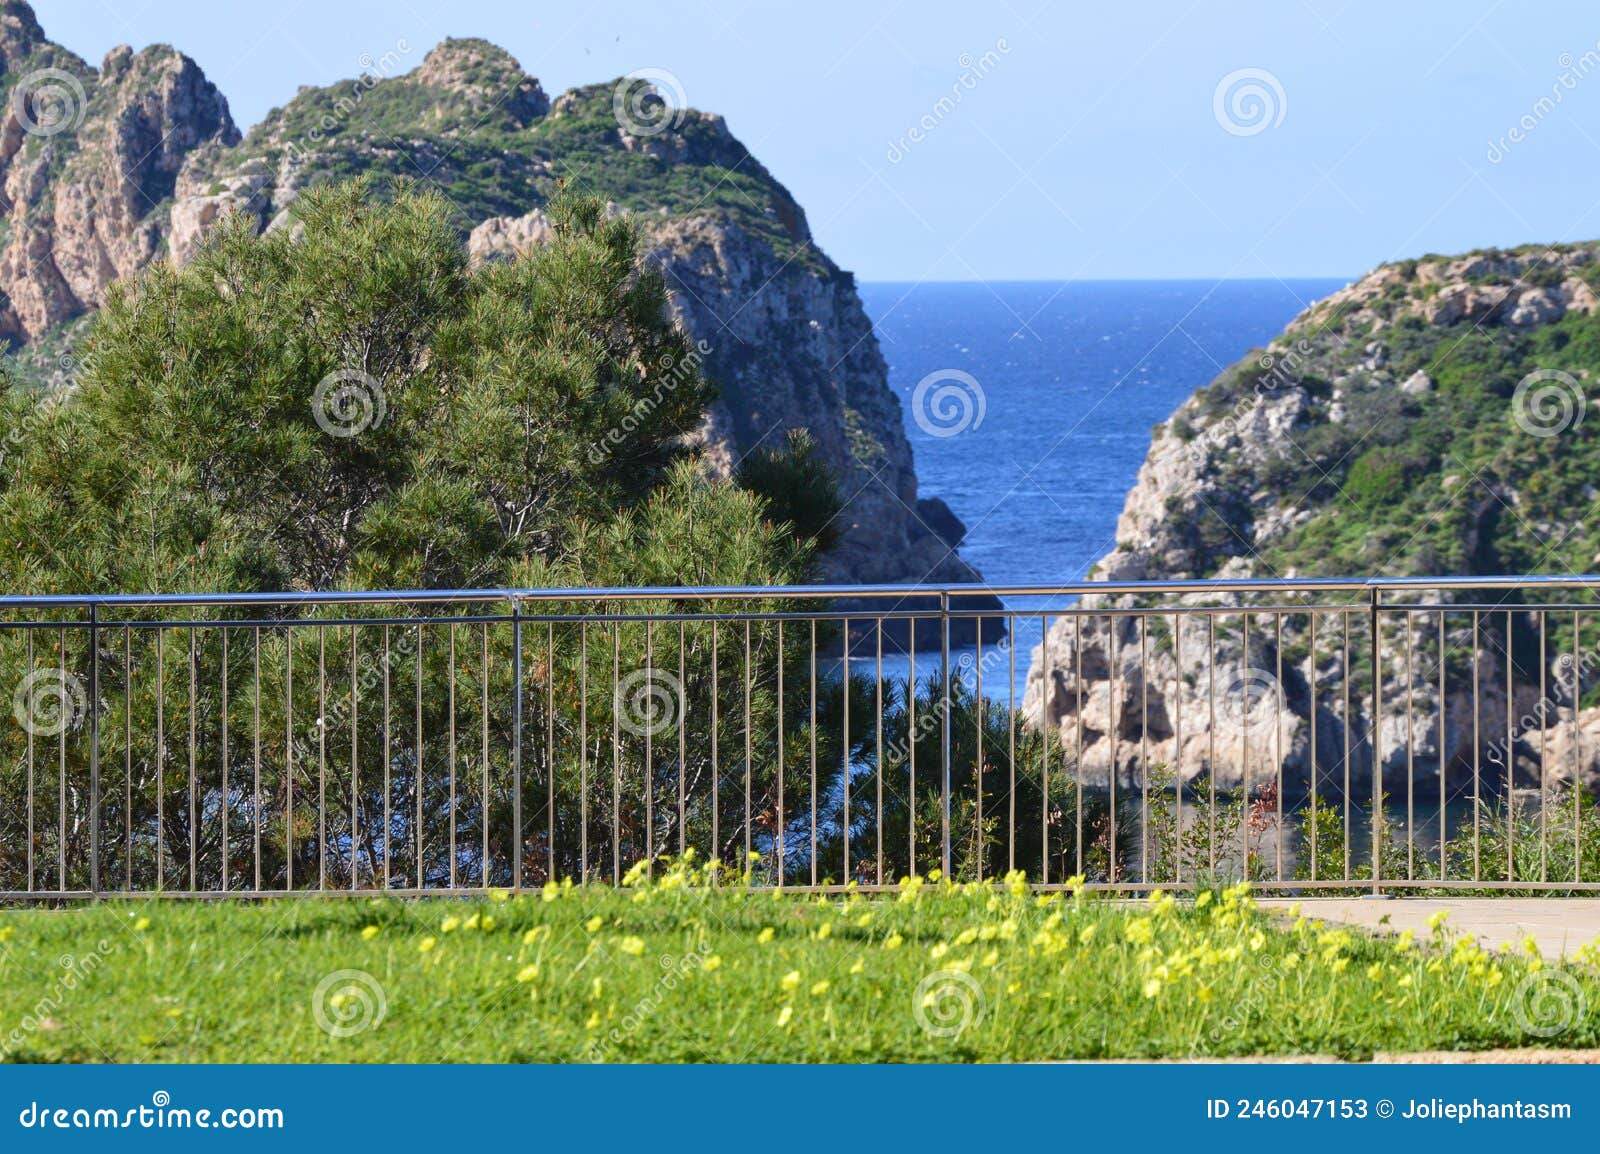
105	170
1426	420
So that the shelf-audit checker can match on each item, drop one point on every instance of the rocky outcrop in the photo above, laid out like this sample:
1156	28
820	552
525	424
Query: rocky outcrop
106	170
1353	444
90	159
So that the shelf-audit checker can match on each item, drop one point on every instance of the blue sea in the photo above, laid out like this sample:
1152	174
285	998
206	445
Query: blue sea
1072	377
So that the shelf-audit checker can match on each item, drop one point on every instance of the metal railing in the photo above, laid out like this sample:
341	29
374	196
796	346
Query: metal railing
1317	735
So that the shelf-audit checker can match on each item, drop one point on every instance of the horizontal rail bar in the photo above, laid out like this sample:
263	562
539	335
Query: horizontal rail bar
804	592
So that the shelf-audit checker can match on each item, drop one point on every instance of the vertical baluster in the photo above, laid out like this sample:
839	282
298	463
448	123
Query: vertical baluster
255	766
683	747
225	758
1278	702
845	697
716	761
1046	685
911	747
450	752
1444	824
194	805
355	770
288	748
483	763
127	750
583	752
388	816
980	841
1411	769
1144	749
878	700
616	754
813	706
322	758
419	772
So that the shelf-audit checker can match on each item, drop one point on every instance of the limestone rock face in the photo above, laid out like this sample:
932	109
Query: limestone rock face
1232	488
90	161
104	171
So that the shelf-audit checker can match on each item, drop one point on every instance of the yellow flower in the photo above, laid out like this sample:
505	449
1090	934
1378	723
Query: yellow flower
1085	935
1405	981
1205	993
369	933
550	892
1202	899
1257	940
593	924
499	895
471	923
893	942
486	924
864	920
764	936
938	951
1138	931
427	944
861	964
991	959
595	988
1291	962
594	1021
528	973
784	1016
1340	965
1375	971
1406	941
818	989
824	930
141	925
1529	946
631	945
752	856
533	935
1152	987
714	962
790	980
1436	920
450	925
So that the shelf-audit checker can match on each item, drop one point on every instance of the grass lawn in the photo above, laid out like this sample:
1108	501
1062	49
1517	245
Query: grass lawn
674	971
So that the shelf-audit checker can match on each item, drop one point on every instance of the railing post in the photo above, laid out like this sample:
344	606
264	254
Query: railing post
944	733
516	743
1377	743
94	748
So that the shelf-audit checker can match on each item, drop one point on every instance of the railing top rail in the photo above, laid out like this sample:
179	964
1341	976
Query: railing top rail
801	592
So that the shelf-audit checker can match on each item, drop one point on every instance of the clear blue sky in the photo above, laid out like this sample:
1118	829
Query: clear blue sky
1091	147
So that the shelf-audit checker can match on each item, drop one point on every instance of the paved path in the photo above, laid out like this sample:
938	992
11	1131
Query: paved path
1559	925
